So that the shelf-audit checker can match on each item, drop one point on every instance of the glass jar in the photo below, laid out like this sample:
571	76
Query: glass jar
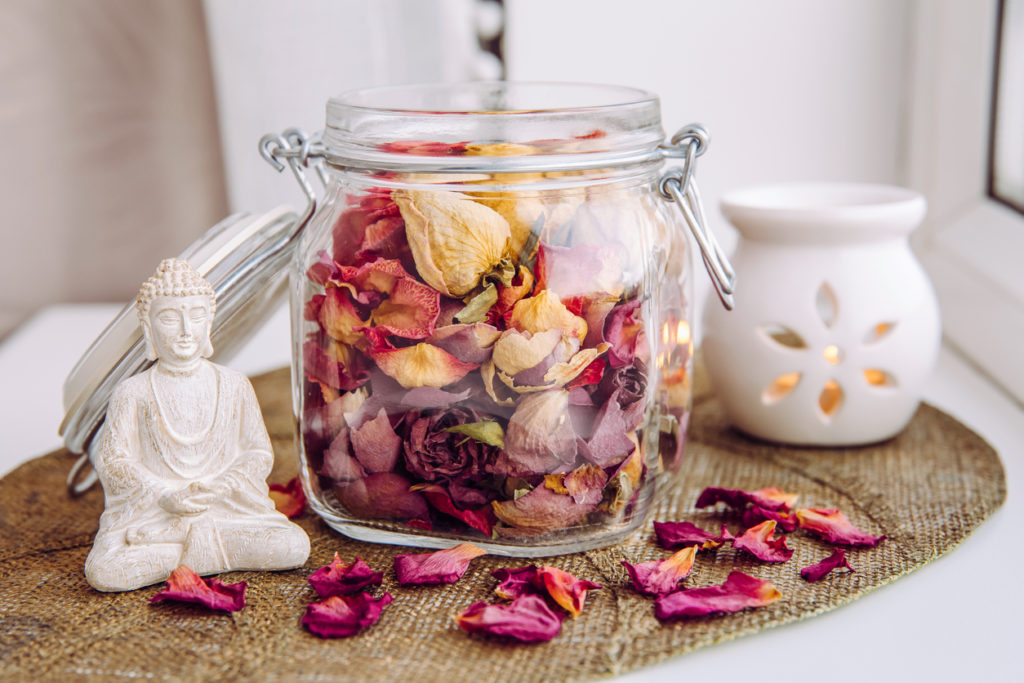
491	315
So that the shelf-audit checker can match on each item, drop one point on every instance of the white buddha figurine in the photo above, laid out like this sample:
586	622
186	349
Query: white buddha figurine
184	455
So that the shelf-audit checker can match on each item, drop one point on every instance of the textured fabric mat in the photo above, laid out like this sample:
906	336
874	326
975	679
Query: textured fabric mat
926	490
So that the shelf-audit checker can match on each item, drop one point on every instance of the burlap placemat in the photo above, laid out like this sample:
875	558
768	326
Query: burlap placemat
926	490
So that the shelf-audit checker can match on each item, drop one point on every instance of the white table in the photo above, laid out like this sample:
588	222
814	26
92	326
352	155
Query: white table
958	619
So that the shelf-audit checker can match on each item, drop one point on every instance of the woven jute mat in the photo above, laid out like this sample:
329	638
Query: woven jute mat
926	490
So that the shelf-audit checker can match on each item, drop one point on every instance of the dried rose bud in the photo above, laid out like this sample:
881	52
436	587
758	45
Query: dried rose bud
454	240
443	566
289	499
341	616
184	585
817	572
739	591
661	577
527	619
565	589
758	542
338	578
674	534
834	527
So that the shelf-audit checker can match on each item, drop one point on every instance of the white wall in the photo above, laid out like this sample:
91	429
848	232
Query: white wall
790	89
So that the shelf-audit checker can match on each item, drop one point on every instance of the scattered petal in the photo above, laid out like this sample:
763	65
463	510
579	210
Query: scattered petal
421	365
289	499
818	571
338	578
443	566
758	542
739	591
834	527
769	498
661	577
527	619
565	589
516	582
341	616
674	534
184	585
753	515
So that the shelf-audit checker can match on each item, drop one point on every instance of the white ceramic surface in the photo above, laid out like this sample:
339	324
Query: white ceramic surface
836	327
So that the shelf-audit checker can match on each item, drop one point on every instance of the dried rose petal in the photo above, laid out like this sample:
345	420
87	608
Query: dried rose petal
818	571
539	438
443	566
289	499
184	585
610	442
422	365
341	616
339	317
338	366
758	542
383	495
516	582
521	285
738	592
468	343
543	312
834	527
623	330
411	310
565	589
581	270
527	619
338	578
339	464
753	515
661	577
541	510
674	534
767	498
375	444
481	518
585	484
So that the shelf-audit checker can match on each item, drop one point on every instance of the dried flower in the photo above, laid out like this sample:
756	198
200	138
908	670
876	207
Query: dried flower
834	527
674	534
184	585
758	542
739	591
543	312
341	616
289	499
468	343
527	619
338	578
661	577
454	240
480	518
436	452
443	566
817	572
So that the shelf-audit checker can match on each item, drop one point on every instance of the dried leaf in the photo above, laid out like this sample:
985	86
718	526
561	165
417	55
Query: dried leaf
477	308
485	431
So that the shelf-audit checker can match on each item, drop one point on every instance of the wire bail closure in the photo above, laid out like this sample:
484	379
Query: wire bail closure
680	186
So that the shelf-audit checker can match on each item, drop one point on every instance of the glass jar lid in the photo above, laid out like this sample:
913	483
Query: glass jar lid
244	258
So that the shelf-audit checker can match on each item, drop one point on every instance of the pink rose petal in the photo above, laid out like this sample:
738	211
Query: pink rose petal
758	542
834	527
739	591
768	498
674	534
338	366
661	577
443	566
623	329
341	616
527	619
383	495
818	571
410	311
586	484
184	585
339	464
338	578
375	444
754	515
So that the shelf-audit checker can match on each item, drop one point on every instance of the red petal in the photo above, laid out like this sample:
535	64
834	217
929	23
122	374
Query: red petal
592	374
481	519
769	498
184	585
443	566
516	582
338	316
527	619
816	572
738	592
661	577
565	589
622	329
758	542
376	445
674	534
754	515
338	578
411	311
289	499
339	367
834	527
341	616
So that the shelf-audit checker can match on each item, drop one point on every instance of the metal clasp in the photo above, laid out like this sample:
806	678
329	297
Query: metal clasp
299	151
679	185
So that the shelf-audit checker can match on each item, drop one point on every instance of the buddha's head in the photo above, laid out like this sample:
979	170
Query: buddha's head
176	308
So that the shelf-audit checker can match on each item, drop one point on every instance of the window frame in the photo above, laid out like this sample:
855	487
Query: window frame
970	244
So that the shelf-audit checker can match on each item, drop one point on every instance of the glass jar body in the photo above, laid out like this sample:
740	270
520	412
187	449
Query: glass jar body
494	357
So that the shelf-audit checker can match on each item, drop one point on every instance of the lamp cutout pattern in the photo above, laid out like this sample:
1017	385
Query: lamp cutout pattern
830	398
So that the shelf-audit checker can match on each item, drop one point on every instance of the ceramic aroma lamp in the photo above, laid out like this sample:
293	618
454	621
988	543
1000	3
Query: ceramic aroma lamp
836	326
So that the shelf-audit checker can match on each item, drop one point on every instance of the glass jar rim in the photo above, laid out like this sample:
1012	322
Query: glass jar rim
430	126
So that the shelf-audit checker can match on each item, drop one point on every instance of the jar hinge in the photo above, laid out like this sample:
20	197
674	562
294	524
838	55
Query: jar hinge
680	186
299	151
